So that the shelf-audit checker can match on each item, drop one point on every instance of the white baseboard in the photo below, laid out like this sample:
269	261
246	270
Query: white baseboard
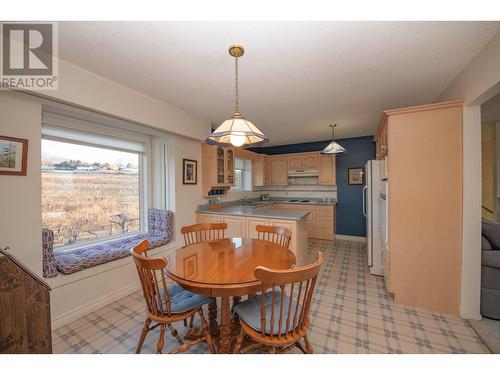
88	308
350	238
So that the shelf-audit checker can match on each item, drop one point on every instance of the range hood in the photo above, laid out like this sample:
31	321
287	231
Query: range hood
303	173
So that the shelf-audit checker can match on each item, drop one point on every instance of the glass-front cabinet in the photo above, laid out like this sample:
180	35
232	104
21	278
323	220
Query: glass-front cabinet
221	166
230	166
217	167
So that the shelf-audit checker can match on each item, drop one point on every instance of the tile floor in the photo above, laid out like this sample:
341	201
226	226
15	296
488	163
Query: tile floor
351	313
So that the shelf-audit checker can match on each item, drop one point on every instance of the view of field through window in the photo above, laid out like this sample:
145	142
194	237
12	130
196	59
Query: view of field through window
88	193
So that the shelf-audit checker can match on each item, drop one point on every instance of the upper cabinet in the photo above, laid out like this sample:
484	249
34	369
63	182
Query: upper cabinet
278	172
303	161
381	139
311	161
295	162
259	172
327	173
217	167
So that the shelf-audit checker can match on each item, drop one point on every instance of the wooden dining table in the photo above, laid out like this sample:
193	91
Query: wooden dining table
225	268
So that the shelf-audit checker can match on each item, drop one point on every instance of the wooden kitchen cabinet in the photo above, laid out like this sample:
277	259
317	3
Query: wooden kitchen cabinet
217	167
311	161
207	218
303	161
235	224
423	259
252	222
327	173
295	162
259	171
324	222
278	171
381	139
244	226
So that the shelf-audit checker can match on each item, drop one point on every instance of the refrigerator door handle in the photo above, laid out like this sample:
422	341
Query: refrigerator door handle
364	200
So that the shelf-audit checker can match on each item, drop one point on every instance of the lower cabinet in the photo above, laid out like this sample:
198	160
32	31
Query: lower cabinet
236	225
252	222
243	226
320	223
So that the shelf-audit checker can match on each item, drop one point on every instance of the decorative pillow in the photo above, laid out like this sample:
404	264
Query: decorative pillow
160	223
491	231
49	267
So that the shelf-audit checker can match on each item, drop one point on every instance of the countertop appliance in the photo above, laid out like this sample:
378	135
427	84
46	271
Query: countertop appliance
264	197
373	206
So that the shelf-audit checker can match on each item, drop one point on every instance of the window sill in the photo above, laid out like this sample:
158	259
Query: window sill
61	279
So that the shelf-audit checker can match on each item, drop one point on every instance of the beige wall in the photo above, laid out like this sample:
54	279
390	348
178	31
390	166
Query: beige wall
20	116
478	82
20	197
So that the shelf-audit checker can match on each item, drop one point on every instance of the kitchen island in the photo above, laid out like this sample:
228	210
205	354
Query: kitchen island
303	219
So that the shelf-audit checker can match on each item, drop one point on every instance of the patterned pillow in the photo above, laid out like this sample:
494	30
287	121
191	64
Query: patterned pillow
49	267
160	223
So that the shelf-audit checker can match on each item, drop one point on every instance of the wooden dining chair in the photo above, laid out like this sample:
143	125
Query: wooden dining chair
197	233
279	235
166	305
278	317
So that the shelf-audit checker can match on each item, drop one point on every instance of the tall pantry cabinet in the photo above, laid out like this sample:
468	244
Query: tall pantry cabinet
424	166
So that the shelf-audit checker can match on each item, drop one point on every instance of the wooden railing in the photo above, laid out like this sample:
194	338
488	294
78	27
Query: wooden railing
487	209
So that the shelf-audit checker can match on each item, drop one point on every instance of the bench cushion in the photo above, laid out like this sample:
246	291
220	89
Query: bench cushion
160	223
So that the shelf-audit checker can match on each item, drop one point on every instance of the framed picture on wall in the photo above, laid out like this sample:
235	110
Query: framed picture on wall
13	156
355	176
190	172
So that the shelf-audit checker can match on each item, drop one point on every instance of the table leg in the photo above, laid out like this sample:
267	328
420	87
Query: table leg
213	327
235	324
225	326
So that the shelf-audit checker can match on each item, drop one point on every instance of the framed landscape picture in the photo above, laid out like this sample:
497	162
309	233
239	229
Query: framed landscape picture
355	176
190	172
13	156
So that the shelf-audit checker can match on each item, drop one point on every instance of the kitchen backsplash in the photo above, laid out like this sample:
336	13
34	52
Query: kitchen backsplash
290	191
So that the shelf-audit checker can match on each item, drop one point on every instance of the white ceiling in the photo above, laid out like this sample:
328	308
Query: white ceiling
295	77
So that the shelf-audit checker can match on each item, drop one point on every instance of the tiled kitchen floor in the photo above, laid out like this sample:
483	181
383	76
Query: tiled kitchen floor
351	313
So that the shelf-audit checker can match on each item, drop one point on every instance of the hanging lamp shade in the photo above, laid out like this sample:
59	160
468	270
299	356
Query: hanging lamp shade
236	130
333	147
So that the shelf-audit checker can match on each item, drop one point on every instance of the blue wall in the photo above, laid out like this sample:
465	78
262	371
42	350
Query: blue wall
350	219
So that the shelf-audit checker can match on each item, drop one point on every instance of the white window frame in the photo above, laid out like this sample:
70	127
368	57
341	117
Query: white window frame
246	176
52	123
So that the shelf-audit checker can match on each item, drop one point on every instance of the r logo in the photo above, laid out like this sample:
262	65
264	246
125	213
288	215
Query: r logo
27	49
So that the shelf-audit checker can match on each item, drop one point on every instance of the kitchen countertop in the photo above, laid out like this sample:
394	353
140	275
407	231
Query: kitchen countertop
236	209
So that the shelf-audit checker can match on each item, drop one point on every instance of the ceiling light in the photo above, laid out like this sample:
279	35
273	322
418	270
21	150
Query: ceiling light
333	147
236	130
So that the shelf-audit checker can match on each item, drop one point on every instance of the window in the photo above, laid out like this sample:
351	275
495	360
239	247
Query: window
242	175
90	192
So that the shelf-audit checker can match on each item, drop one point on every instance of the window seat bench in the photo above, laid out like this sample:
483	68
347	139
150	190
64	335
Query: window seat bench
160	230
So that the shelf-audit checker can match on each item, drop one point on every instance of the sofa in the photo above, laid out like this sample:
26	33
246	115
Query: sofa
160	231
490	270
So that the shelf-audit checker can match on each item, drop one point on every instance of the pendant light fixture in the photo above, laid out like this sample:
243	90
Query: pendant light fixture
237	131
333	147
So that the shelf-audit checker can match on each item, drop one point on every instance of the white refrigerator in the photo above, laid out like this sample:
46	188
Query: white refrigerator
373	210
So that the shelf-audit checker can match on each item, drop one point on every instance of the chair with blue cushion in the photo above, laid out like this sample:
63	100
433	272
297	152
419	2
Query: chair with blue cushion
166	304
278	317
